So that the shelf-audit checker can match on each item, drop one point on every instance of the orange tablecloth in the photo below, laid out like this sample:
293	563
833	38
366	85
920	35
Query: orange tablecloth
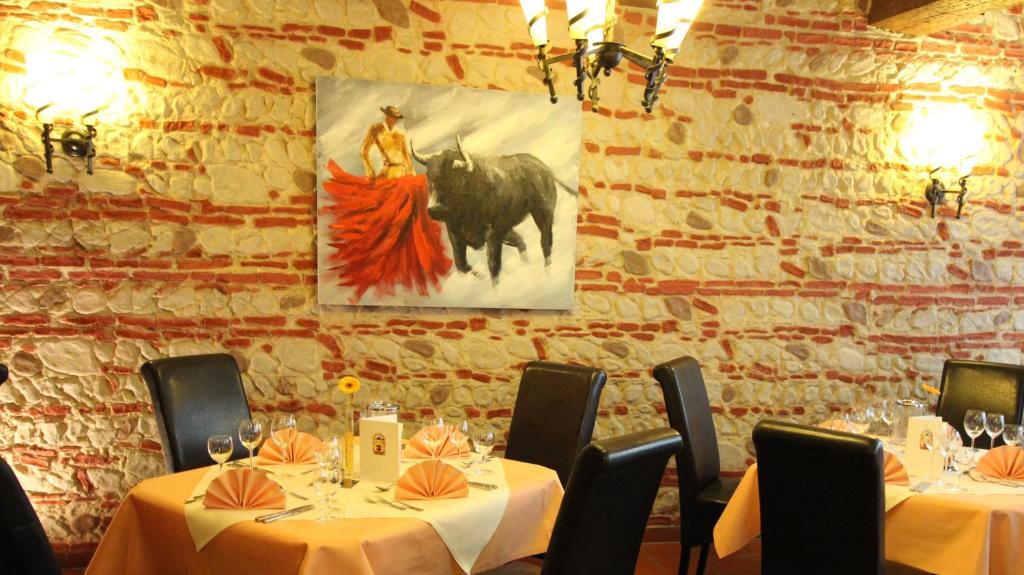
946	534
149	536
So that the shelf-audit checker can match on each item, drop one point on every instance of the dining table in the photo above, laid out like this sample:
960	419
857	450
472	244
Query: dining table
155	531
979	531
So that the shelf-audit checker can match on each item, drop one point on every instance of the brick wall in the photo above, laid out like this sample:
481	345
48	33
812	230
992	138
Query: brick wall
763	219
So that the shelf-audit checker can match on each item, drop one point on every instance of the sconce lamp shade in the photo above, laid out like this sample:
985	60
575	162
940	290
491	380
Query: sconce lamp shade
674	20
536	14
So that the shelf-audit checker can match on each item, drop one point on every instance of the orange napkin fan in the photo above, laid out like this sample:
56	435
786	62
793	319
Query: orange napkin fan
836	425
299	450
1003	462
894	471
432	479
418	448
243	489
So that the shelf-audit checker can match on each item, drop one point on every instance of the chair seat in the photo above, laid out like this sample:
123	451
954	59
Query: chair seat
710	504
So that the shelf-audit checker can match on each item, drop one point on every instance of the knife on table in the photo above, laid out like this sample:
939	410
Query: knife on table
270	518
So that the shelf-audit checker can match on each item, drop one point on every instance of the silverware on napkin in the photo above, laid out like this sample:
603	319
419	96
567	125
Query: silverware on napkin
982	478
270	518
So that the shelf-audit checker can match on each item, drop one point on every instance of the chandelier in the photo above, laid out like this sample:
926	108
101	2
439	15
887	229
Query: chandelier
590	26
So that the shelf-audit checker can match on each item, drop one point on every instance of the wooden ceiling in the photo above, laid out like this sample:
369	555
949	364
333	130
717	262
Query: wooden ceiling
920	17
916	17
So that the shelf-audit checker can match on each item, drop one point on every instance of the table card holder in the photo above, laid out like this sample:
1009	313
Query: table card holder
920	461
380	449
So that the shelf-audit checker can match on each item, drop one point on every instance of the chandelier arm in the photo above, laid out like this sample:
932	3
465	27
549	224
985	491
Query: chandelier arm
594	73
655	76
545	67
579	60
637	58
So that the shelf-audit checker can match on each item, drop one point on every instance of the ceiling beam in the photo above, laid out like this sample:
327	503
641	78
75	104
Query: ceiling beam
921	17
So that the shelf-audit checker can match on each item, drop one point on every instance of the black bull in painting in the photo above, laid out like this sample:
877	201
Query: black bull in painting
481	199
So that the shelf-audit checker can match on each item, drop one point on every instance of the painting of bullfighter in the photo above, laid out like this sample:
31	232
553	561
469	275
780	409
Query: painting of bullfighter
443	196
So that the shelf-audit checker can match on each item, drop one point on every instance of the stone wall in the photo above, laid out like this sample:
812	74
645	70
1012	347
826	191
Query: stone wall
765	219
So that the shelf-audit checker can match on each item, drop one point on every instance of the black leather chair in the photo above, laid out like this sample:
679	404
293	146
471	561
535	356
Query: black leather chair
822	501
554	414
24	548
991	387
601	521
195	397
703	495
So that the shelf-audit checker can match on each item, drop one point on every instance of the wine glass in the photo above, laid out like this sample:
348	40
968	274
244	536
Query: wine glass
282	431
974	424
1013	434
994	423
460	436
886	412
434	435
483	443
220	448
250	432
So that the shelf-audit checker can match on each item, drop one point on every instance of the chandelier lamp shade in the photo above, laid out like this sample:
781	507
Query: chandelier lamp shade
590	27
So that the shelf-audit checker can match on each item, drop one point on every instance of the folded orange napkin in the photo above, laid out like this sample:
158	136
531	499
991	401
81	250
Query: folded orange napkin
894	471
243	489
418	449
1003	462
299	450
432	479
836	425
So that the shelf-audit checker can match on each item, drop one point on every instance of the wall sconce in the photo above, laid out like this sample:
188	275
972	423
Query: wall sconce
925	142
590	26
69	72
74	142
936	192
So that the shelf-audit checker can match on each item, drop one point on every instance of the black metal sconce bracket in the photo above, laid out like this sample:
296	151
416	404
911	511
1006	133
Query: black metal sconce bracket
936	192
74	142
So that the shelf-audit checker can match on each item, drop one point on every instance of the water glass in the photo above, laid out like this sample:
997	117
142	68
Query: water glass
325	498
220	448
963	460
993	427
1012	434
860	420
250	433
483	443
974	424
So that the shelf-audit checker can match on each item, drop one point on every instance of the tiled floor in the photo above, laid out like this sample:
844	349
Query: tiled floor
663	559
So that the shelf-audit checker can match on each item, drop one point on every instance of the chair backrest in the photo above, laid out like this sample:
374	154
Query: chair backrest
991	387
195	397
601	522
689	413
554	414
24	548
822	501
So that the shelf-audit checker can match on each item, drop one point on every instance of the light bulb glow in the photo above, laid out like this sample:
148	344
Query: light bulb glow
536	12
949	136
587	19
72	72
675	17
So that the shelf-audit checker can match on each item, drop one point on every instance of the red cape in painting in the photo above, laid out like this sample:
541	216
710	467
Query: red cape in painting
382	234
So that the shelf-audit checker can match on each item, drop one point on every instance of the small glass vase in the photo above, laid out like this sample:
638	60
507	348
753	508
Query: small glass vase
348	444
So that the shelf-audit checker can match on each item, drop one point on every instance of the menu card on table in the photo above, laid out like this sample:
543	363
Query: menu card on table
380	449
924	431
